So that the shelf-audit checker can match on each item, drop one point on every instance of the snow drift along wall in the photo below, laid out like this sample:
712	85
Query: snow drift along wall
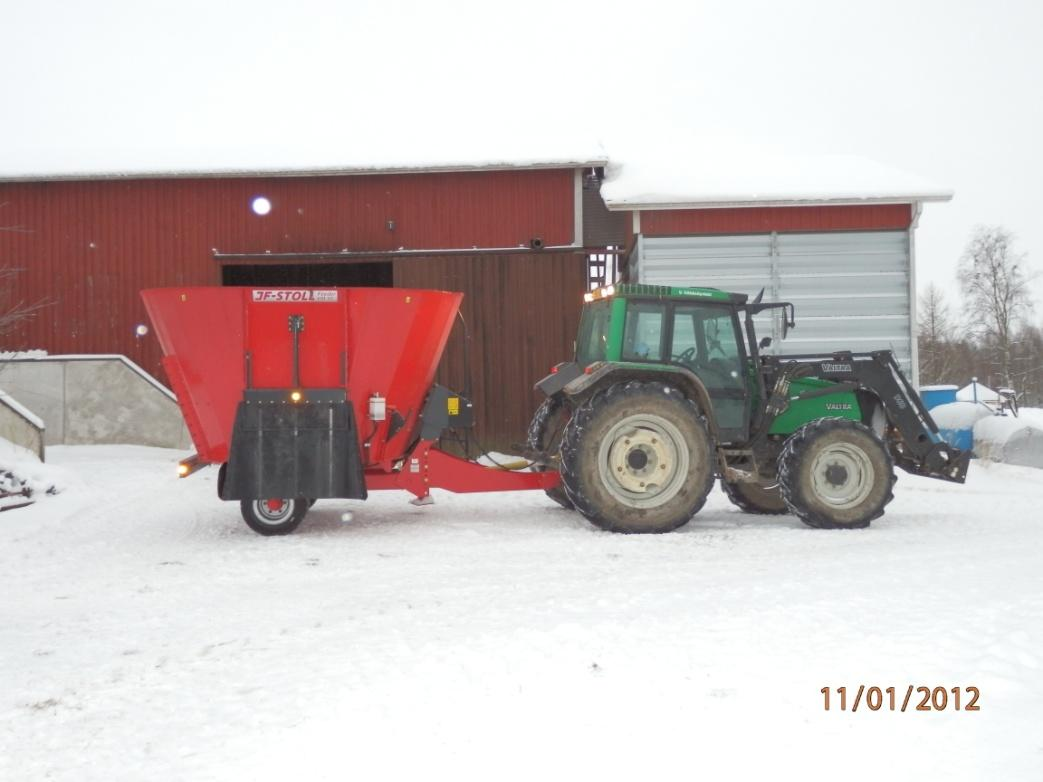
1009	440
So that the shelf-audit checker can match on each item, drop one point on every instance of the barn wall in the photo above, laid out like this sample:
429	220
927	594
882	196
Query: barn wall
87	248
667	222
522	313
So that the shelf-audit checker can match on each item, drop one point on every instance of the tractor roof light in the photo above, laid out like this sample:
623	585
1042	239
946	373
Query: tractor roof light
599	293
295	396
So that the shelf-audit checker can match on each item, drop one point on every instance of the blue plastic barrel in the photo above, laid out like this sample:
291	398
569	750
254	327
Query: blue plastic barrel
958	438
933	396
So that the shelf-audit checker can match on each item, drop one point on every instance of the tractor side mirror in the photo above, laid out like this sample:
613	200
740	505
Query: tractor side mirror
764	343
789	319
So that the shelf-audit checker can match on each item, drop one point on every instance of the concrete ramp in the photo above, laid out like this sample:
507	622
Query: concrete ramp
21	426
94	399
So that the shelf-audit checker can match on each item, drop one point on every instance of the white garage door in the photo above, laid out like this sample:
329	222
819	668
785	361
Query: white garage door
851	290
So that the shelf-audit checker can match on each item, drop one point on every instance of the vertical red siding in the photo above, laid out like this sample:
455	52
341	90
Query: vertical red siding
522	312
89	247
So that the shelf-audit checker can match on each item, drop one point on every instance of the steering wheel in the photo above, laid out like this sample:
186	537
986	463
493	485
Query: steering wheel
686	356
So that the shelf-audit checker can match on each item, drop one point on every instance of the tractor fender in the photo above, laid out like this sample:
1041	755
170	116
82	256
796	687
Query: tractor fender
874	414
602	374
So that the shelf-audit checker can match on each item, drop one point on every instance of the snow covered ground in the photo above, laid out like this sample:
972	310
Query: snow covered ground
146	633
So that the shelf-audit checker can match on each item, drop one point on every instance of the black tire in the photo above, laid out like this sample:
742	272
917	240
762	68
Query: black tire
264	520
754	498
545	432
836	474
607	479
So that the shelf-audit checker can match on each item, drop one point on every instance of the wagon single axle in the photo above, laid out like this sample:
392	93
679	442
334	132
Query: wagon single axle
304	394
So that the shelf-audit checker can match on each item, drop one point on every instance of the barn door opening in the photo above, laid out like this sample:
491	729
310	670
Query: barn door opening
310	275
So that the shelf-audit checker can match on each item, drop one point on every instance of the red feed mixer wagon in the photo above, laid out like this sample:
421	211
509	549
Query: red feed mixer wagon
305	394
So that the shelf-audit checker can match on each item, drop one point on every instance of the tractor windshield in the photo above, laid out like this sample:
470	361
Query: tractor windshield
593	332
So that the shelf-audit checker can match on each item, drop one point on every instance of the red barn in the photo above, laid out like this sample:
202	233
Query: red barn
521	241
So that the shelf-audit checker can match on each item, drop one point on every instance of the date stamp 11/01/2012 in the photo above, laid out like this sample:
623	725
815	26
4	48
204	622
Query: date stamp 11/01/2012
914	698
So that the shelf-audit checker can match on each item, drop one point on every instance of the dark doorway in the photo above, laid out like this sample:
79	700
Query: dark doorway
311	275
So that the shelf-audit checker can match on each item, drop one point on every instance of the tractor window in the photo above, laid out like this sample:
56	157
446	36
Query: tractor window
643	332
593	333
705	341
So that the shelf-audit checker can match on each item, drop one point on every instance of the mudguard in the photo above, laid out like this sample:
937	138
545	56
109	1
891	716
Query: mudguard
282	448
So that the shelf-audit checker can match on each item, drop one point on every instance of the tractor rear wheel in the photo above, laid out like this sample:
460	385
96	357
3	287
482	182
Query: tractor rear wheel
545	431
756	498
637	457
274	517
836	474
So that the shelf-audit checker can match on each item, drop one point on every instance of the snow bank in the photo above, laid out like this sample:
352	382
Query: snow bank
502	637
24	476
1004	438
959	415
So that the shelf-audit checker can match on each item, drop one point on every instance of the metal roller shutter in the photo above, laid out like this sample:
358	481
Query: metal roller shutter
851	290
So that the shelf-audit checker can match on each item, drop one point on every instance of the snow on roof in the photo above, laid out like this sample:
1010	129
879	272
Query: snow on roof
717	174
977	392
311	152
646	172
384	166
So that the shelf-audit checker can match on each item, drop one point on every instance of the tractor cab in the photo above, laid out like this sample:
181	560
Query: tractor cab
702	332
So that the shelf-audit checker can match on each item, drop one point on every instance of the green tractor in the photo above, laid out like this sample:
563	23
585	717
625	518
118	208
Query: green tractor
668	391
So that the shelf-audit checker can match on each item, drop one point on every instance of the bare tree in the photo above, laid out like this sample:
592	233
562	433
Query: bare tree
14	311
936	335
995	284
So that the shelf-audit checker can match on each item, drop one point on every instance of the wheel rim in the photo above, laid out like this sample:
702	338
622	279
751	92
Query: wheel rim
842	475
273	511
643	461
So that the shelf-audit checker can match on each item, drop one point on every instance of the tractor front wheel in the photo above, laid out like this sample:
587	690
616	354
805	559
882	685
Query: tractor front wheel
274	517
756	498
637	457
836	474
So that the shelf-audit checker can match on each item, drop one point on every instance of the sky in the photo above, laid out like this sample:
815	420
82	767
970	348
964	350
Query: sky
948	91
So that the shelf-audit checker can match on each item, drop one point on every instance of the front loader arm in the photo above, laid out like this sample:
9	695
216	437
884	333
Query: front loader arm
914	440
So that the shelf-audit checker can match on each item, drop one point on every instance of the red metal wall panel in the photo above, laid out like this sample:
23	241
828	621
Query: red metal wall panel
89	247
667	222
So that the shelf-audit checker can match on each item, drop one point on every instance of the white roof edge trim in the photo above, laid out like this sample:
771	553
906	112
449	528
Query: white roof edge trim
633	204
284	172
